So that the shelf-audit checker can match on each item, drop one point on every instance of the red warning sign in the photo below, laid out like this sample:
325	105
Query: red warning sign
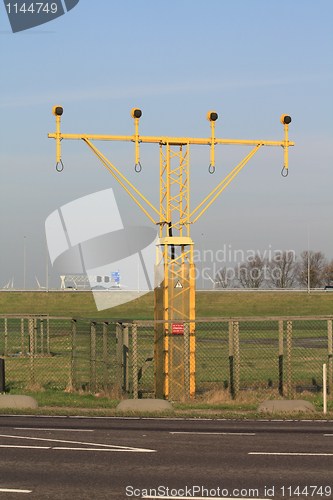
177	329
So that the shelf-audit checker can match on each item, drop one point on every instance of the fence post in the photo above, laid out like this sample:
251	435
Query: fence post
289	375
119	352
73	363
22	336
325	388
6	337
187	359
93	356
281	358
125	351
231	358
2	376
42	336
330	357
192	357
32	349
48	336
35	335
105	356
236	347
135	360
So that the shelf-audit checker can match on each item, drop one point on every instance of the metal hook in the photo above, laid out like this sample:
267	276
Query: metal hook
59	169
211	168
284	169
138	167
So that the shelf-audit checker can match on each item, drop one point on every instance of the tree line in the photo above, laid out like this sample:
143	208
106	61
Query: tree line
285	270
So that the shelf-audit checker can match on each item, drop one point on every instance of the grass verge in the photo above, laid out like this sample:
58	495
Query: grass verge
208	304
216	404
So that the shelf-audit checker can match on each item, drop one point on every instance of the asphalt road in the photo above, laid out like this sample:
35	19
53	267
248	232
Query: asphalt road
78	458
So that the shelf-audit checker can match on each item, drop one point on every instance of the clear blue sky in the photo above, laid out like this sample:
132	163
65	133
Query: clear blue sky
250	61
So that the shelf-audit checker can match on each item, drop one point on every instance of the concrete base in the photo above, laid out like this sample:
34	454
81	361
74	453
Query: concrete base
279	405
144	405
13	401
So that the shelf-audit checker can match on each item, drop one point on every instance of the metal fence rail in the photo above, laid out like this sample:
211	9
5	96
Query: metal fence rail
234	354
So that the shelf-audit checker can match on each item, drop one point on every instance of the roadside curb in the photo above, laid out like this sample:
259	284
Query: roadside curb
197	414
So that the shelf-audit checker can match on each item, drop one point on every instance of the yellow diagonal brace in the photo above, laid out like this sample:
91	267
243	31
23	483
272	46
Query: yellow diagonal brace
229	179
108	165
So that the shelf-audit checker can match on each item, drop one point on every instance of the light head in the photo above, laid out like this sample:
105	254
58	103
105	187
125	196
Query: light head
285	119
136	113
57	110
212	116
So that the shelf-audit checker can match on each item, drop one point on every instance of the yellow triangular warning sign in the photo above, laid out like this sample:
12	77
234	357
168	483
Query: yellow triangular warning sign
178	284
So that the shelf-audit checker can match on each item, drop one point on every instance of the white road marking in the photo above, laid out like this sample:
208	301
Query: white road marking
113	418
48	429
328	434
34	416
217	433
124	448
7	490
159	418
29	447
292	454
134	450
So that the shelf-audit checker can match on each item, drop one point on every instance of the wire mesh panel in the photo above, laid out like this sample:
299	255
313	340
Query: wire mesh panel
37	352
309	353
94	355
212	356
15	348
259	354
145	360
81	355
53	368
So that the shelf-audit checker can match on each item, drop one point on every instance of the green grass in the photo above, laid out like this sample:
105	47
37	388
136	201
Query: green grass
208	304
243	304
62	399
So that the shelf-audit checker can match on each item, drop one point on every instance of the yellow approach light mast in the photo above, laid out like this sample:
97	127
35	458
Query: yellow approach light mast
174	294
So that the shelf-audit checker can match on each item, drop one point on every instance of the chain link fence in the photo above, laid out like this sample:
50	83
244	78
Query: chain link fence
283	353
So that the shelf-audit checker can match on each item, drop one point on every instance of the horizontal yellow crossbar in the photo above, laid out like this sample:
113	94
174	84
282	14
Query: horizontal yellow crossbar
178	141
175	240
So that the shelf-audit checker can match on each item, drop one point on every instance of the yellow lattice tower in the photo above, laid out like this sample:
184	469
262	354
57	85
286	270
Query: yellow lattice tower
174	352
175	296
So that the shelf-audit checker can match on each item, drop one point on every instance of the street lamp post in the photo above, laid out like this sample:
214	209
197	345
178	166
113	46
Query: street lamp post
308	259
202	263
24	260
